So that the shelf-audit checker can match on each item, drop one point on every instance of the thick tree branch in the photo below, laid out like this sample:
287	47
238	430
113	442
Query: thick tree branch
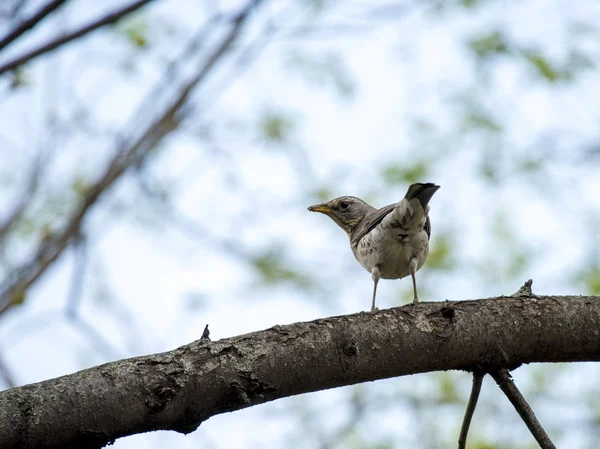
59	41
180	389
28	24
131	154
508	387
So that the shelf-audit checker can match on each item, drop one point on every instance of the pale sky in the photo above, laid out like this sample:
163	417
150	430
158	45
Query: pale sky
401	69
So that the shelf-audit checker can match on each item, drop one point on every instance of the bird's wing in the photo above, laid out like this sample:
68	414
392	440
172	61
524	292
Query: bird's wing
369	223
407	217
411	213
427	227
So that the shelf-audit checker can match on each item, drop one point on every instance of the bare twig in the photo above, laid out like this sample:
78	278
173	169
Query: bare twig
205	333
169	78
59	41
525	290
478	375
30	23
365	21
246	57
130	154
30	189
508	387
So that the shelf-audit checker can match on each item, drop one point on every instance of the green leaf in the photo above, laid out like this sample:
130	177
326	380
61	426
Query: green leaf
323	194
18	297
591	279
447	389
544	68
490	167
481	120
137	33
80	186
529	165
25	226
19	77
398	174
552	72
489	45
593	400
273	270
275	127
440	252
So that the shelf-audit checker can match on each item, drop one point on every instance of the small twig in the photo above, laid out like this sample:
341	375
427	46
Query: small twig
205	334
242	62
28	24
525	289
508	387
174	68
55	43
478	375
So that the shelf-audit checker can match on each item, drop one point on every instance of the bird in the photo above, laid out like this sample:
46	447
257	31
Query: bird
391	242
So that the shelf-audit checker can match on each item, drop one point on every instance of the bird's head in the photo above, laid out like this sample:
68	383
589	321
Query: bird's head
346	211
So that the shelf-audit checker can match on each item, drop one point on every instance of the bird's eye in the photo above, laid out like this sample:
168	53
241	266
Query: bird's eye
344	204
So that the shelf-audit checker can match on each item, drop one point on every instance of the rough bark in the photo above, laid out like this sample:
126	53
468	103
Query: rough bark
180	389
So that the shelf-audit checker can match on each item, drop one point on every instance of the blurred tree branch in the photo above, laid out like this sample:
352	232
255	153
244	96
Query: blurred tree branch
130	154
12	11
53	44
180	389
28	24
26	196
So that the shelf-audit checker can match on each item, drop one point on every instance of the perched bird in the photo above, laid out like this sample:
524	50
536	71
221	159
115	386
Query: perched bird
391	242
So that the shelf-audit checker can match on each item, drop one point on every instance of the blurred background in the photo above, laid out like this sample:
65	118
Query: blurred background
155	175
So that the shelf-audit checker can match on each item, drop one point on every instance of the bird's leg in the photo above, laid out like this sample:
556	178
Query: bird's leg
375	277
412	267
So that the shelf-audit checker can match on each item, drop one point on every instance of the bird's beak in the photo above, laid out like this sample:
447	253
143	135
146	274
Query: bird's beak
324	209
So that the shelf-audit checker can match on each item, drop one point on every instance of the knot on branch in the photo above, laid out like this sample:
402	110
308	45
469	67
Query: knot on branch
163	389
350	348
247	391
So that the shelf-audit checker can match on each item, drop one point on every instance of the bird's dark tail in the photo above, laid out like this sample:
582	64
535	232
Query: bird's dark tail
422	191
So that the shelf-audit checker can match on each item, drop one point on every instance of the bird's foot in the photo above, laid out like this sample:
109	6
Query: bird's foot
416	300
